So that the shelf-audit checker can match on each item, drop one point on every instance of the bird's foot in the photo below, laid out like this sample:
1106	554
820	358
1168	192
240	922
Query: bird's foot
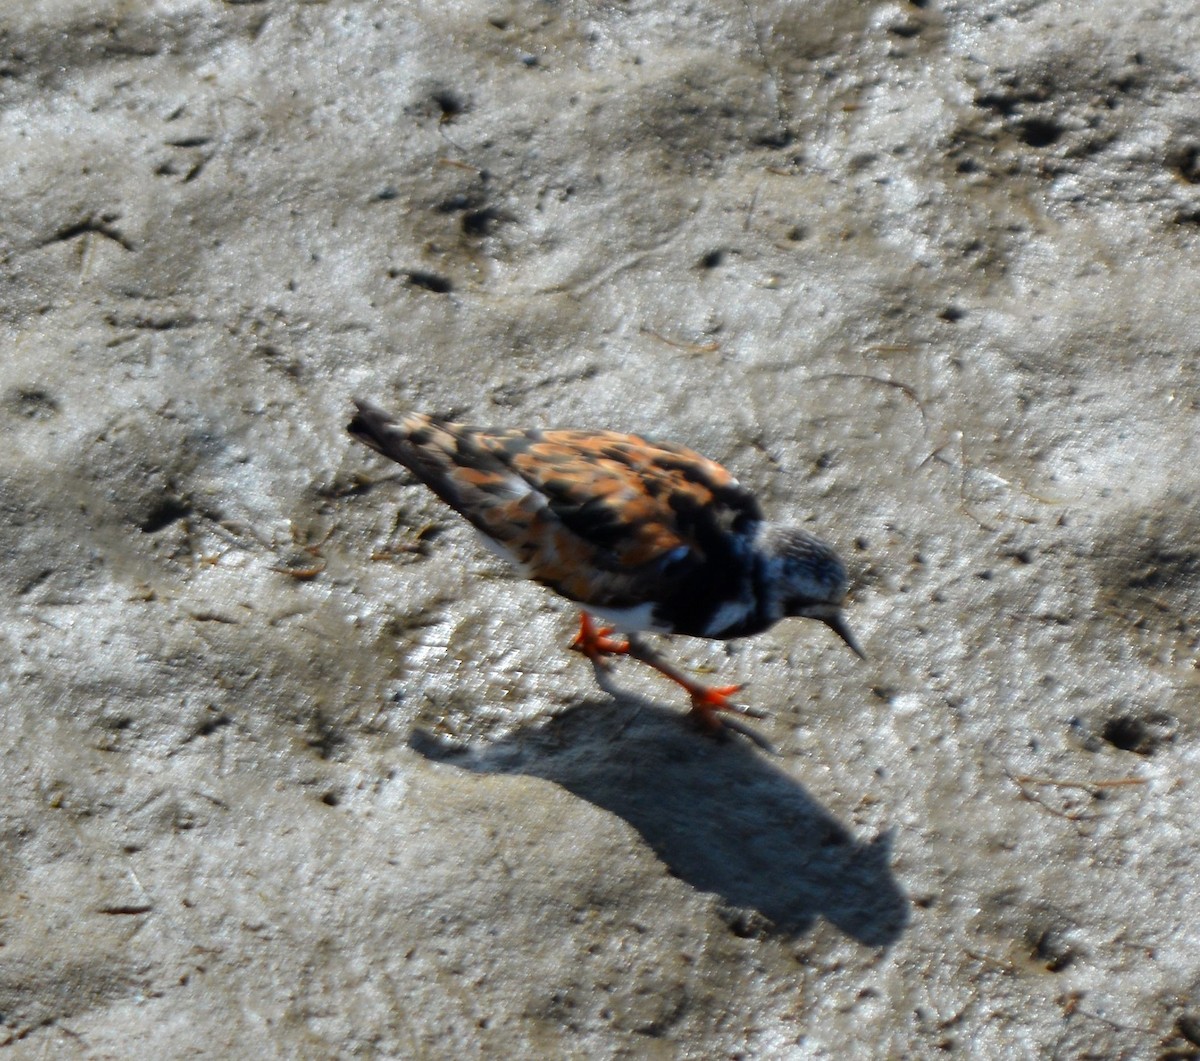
708	702
595	643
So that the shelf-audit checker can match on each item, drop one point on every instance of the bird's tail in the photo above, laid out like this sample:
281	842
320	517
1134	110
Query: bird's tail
374	427
451	460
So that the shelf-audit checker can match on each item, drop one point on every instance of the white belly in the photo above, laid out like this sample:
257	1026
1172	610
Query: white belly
637	620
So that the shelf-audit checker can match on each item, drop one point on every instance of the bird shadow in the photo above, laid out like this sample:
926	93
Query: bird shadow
720	815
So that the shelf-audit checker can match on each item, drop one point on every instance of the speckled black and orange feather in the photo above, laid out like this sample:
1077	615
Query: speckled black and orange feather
606	519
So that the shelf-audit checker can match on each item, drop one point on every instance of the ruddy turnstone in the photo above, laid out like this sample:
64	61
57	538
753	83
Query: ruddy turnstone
648	536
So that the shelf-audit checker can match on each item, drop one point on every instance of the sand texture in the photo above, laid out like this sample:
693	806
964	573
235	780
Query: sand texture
292	768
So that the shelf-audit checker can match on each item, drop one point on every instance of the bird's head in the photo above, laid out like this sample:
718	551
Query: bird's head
809	579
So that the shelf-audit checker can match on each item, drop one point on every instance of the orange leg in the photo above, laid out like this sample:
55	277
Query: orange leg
707	701
595	643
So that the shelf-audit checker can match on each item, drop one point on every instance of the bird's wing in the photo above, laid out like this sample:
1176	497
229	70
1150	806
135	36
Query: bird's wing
635	499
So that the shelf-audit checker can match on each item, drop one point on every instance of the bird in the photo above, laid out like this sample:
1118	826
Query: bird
646	536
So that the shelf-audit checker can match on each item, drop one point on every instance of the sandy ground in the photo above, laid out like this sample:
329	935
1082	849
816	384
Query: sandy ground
293	768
